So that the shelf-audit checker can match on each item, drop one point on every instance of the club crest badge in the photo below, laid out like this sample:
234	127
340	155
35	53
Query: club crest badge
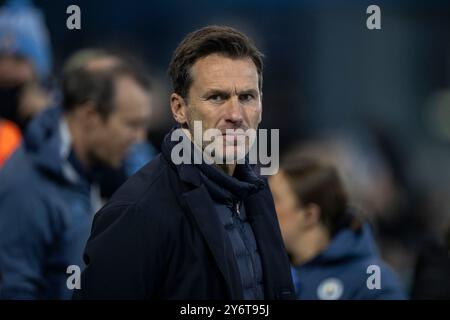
330	289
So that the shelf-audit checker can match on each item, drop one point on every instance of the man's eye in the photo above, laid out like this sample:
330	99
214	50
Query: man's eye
246	97
215	98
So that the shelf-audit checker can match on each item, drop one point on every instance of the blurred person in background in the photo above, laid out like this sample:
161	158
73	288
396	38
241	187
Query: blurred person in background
429	165
25	62
141	152
25	66
48	194
376	188
329	245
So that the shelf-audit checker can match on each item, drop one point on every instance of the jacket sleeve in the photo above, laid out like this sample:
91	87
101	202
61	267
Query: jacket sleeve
124	255
25	234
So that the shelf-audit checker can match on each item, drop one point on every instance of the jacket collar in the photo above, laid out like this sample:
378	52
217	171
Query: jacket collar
48	142
230	189
221	186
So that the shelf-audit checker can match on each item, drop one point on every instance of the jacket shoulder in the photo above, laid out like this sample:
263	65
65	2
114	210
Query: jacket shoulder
148	193
21	180
135	229
145	185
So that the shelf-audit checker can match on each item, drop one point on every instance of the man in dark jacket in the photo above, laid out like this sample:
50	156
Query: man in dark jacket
195	230
47	193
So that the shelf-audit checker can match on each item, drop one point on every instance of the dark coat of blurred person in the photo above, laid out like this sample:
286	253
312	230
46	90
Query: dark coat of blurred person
432	274
195	231
47	194
329	246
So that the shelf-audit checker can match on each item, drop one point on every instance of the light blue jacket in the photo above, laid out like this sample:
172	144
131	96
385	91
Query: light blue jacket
46	211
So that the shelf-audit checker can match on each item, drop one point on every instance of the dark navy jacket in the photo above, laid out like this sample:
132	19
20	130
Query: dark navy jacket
45	214
159	237
229	194
343	270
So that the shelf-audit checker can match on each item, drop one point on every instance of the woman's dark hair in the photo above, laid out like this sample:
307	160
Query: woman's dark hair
318	183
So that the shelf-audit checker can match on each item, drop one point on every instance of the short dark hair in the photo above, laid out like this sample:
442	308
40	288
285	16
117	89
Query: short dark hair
81	86
318	183
222	40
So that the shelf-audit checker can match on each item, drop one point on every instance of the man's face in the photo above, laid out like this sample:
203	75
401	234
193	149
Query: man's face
224	95
15	71
21	97
126	125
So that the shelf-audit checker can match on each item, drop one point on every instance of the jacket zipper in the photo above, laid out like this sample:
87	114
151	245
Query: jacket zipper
237	209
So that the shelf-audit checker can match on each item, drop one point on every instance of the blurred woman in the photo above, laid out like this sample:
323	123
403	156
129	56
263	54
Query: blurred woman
333	253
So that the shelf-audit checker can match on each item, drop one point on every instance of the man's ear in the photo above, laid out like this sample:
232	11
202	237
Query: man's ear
312	214
88	115
179	108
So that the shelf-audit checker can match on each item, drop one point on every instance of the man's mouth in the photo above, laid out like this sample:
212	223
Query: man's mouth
234	138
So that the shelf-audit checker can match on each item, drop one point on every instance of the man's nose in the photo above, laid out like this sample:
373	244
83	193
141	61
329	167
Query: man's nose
234	111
